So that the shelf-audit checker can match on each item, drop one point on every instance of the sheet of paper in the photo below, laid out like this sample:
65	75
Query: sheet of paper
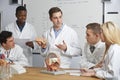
74	74
69	71
17	69
22	42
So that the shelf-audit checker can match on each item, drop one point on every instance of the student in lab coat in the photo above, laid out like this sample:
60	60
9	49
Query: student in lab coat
23	32
94	48
10	51
61	39
110	69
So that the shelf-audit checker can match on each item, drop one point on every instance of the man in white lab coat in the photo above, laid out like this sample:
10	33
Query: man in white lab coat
23	32
11	52
94	48
61	39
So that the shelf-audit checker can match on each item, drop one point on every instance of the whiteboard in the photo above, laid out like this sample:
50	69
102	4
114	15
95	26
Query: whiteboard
113	6
114	18
76	14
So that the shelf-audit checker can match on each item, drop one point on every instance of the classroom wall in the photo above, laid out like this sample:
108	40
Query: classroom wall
8	12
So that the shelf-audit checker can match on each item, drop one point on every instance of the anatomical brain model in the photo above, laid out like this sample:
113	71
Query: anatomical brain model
52	62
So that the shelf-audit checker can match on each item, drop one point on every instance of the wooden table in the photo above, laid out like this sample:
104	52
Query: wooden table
34	74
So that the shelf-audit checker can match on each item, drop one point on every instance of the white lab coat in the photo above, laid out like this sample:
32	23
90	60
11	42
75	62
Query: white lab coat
16	55
111	65
89	59
70	37
28	32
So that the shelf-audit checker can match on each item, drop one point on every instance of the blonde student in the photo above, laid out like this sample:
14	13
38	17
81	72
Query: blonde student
110	69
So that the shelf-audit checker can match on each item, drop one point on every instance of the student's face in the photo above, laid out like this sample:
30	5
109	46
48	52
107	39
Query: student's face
91	37
57	19
21	16
9	43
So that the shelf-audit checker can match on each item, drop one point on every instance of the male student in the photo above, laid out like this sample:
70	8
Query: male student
23	32
111	66
11	52
94	48
61	39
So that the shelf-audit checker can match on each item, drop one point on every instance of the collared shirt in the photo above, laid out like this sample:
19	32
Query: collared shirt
92	48
5	52
21	26
97	44
57	32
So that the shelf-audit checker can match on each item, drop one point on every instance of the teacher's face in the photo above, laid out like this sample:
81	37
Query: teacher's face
57	19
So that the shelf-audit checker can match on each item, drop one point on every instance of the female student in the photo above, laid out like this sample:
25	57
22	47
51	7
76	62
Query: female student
110	69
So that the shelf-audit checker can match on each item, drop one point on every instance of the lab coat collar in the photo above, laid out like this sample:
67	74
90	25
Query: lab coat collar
60	28
3	50
52	30
97	44
20	27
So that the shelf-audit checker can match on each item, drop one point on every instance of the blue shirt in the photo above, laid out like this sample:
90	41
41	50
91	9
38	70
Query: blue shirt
57	32
20	27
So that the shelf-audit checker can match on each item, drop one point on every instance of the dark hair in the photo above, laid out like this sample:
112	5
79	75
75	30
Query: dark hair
54	10
4	35
95	27
20	8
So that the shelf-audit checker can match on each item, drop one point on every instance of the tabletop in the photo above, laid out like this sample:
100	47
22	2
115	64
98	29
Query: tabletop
33	73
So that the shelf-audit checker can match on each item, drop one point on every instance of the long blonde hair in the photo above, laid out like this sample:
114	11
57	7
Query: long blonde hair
111	33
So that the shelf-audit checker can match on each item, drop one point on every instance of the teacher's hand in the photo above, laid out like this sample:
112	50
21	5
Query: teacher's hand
62	46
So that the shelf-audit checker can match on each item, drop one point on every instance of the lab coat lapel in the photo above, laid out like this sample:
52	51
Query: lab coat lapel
26	33
89	55
88	50
24	30
17	31
52	34
60	37
21	34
